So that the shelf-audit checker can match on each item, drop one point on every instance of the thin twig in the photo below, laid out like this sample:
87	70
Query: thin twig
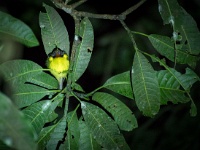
133	8
98	16
78	4
70	10
76	42
129	33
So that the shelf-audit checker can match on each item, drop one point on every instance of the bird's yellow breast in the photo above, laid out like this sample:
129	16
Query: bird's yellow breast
59	64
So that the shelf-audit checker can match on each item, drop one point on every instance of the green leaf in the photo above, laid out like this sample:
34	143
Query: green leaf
44	80
188	79
53	30
26	94
37	114
102	127
170	88
56	101
84	50
69	143
15	131
19	71
45	136
3	146
193	109
185	28
165	46
16	29
185	80
122	115
73	132
121	84
86	142
145	86
57	135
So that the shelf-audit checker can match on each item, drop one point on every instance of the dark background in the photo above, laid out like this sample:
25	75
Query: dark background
172	128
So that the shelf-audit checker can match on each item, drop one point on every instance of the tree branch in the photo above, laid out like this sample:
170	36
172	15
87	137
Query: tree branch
70	9
133	8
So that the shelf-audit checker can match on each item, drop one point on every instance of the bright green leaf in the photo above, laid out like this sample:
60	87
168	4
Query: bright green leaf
37	114
26	94
170	88
57	135
102	127
56	101
16	29
145	86
45	136
73	132
186	80
53	30
86	142
122	115
185	28
44	80
69	143
121	84
165	46
19	71
84	50
15	131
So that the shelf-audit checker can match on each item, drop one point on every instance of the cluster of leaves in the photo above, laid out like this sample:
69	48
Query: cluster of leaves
99	117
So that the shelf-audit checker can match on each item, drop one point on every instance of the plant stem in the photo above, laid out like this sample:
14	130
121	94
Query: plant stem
130	34
70	10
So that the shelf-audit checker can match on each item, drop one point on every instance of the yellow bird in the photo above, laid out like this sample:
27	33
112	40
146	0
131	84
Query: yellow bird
58	63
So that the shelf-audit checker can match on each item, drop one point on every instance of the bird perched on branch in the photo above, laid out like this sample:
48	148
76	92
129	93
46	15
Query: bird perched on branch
58	63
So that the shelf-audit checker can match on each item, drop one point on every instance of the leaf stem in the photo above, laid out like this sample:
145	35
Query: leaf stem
129	33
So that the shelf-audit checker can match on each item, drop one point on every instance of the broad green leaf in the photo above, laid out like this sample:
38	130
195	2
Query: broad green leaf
122	115
86	142
77	87
44	80
185	80
165	46
170	88
37	114
102	127
84	50
145	86
57	135
73	132
120	83
55	103
15	131
45	136
53	30
69	143
19	71
16	29
26	94
188	79
185	28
